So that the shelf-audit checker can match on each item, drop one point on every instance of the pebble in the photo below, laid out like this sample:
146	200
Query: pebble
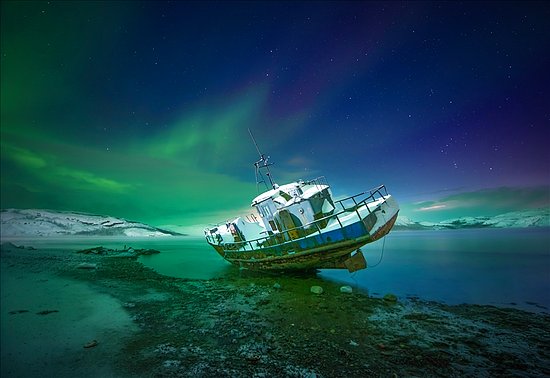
91	344
316	290
346	289
171	363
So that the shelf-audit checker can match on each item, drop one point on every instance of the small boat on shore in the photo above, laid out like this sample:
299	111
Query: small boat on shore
299	226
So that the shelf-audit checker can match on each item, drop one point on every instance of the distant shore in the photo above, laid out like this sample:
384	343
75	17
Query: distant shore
69	314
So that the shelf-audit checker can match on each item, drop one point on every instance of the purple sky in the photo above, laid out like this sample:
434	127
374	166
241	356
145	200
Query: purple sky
141	109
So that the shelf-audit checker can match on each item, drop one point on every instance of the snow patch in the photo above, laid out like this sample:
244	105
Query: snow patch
515	219
48	223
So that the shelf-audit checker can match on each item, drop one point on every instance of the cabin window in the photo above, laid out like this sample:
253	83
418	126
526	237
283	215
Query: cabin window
295	192
264	211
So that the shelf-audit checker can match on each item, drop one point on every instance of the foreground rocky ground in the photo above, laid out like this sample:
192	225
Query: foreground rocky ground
268	326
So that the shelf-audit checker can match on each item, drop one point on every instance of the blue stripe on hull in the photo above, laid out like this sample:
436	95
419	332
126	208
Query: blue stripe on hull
350	232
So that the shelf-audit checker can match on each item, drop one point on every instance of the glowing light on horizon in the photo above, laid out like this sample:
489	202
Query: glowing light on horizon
434	207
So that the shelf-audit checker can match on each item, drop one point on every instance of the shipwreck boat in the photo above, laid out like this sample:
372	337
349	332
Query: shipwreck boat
299	226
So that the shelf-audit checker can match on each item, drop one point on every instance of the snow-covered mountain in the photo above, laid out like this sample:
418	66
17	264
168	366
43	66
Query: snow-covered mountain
47	223
515	219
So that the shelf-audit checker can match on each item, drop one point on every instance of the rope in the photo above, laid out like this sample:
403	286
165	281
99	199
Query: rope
356	286
381	255
352	276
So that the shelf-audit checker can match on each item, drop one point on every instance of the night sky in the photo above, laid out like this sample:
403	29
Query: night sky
141	109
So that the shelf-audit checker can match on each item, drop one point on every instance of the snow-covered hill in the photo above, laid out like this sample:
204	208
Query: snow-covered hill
515	219
47	223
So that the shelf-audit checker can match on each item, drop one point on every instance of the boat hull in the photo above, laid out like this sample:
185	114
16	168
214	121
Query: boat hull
317	251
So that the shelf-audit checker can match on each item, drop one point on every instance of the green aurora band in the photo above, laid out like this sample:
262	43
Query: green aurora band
66	145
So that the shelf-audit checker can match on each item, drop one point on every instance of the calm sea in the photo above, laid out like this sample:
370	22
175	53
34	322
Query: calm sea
502	267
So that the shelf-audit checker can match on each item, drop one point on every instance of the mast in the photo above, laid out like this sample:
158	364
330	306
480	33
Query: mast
263	163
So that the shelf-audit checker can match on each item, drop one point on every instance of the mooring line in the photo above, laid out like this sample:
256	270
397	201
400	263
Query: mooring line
381	254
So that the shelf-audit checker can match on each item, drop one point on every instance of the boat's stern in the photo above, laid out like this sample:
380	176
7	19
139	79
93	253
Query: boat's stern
214	237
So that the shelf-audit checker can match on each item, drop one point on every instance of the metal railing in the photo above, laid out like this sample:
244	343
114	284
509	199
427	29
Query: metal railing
311	227
318	182
251	218
371	194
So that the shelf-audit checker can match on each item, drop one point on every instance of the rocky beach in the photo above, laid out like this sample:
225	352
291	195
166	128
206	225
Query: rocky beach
104	314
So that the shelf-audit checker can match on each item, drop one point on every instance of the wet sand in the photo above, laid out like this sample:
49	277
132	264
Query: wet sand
47	319
245	325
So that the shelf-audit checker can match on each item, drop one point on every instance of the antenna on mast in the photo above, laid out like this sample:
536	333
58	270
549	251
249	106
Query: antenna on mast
262	164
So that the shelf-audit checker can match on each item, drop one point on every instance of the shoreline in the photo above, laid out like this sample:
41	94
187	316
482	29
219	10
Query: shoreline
248	326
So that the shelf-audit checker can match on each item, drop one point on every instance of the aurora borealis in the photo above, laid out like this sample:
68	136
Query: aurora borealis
141	109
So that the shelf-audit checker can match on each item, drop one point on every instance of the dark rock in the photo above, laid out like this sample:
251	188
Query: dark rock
17	312
126	252
91	344
46	312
